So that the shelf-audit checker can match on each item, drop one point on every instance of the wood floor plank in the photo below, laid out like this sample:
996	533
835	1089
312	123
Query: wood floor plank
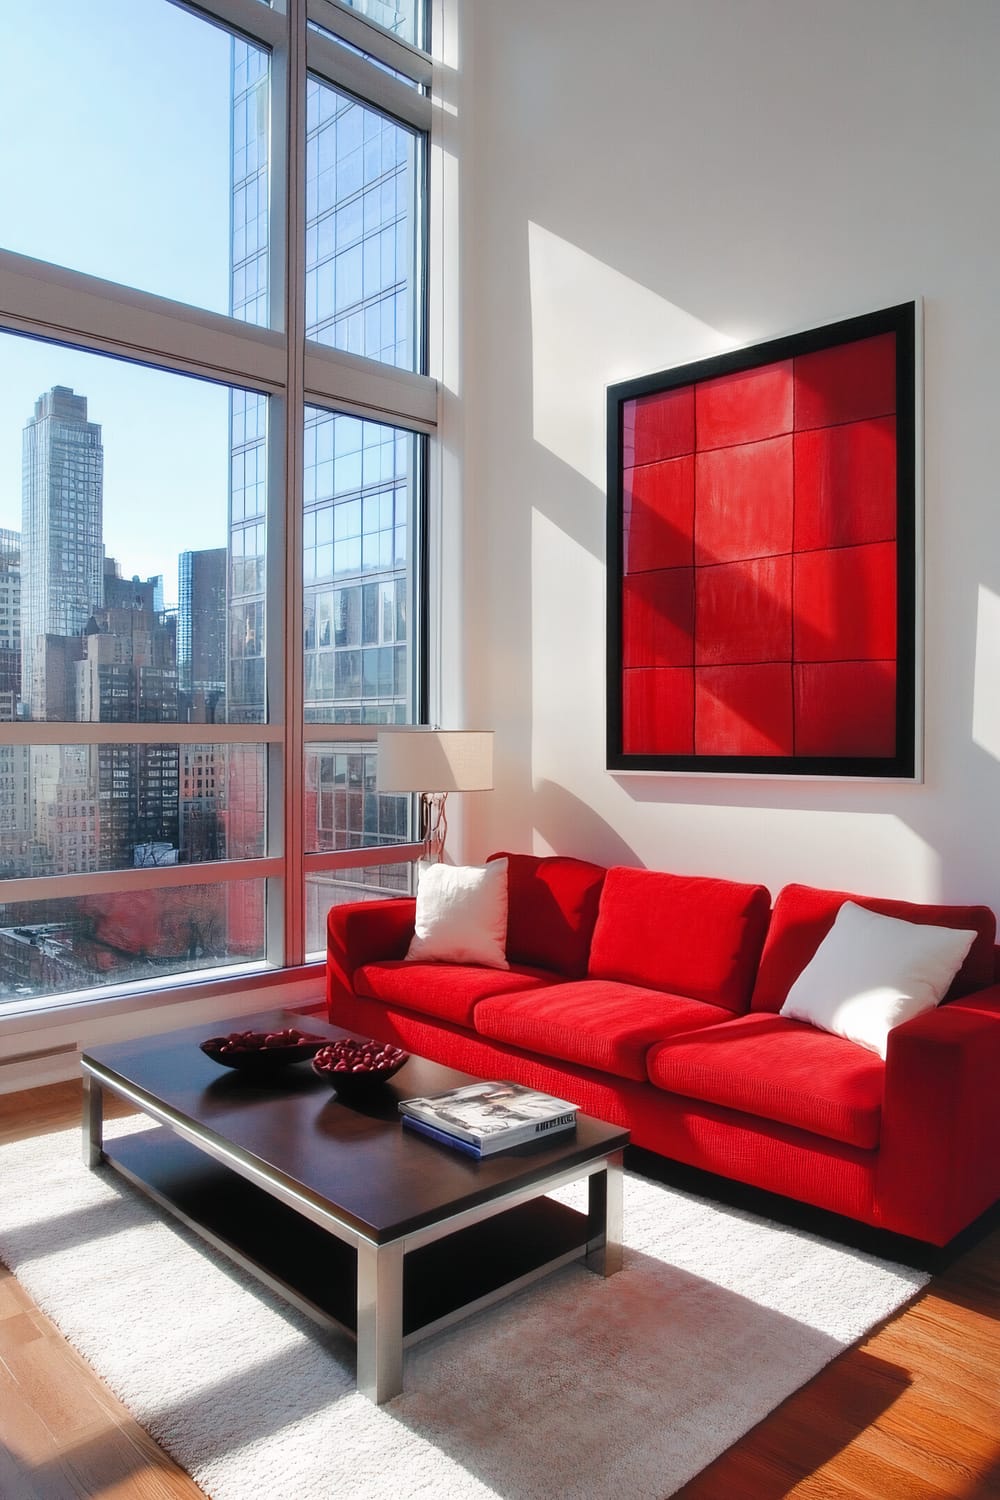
913	1413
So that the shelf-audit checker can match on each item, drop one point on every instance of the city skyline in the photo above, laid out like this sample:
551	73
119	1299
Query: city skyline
153	212
152	512
184	490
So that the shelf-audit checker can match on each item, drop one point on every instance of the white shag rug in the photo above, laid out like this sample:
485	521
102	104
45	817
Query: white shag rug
579	1388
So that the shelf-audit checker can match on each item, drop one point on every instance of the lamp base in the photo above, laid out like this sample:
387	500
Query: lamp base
434	818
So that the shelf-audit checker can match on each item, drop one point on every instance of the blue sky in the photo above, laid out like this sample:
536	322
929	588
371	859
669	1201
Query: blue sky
114	160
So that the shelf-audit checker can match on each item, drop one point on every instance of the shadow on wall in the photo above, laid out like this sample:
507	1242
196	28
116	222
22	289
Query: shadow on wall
569	826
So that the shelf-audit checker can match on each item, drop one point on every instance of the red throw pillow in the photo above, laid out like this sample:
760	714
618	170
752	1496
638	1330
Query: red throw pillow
551	910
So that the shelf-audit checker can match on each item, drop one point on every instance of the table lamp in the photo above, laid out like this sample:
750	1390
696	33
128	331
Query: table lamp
434	762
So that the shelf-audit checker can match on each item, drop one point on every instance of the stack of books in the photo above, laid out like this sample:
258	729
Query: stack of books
484	1118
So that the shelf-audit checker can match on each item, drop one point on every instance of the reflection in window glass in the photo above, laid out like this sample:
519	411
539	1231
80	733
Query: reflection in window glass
127	545
361	231
359	52
357	535
52	947
373	883
75	809
403	17
115	157
343	808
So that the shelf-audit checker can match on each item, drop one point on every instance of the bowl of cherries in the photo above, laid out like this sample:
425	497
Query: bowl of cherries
356	1068
262	1051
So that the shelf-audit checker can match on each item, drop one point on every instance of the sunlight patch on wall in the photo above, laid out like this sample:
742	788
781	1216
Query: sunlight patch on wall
592	325
986	693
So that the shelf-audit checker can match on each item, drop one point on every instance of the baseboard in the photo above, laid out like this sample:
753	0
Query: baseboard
51	1054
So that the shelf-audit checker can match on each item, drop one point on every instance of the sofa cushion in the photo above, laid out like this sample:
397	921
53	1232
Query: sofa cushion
803	915
778	1069
688	934
599	1024
448	991
551	910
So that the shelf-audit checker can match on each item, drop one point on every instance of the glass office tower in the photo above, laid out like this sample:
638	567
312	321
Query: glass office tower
62	558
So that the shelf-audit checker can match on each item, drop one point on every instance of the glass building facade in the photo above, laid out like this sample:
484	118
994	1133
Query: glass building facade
82	644
61	531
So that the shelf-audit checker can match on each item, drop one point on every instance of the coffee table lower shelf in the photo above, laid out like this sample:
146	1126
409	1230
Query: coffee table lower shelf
316	1272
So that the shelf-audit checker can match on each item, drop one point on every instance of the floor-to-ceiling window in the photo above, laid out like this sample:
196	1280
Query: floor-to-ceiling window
214	420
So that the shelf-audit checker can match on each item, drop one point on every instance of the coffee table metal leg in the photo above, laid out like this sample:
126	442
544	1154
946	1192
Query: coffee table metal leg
93	1121
604	1231
380	1320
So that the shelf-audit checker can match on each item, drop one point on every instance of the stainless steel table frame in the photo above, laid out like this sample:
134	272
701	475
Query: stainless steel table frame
379	1331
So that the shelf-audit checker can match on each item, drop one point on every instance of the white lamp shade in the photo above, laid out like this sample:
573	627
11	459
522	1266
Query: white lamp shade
435	760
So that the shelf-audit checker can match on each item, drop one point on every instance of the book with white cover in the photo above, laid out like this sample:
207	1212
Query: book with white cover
492	1116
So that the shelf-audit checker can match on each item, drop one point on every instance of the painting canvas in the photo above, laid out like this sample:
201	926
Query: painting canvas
761	558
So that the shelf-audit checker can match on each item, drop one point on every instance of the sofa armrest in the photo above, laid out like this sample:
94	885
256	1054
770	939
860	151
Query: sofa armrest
363	932
939	1164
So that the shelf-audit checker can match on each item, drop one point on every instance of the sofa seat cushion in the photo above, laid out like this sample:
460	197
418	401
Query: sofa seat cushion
599	1024
448	991
551	910
686	934
778	1069
803	915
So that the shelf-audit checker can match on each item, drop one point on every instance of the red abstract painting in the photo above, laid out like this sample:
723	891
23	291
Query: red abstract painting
762	558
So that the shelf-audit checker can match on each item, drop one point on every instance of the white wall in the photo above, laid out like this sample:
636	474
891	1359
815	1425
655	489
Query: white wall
646	182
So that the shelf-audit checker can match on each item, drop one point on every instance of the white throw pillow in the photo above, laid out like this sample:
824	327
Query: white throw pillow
461	915
871	973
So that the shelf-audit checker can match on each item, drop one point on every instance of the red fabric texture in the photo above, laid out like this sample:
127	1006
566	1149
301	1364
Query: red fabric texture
743	501
658	710
360	932
744	612
939	1166
552	905
658	618
803	915
658	427
745	406
687	934
845	707
744	710
787	1124
846	383
597	1024
845	485
779	1069
824	630
659	503
765	1154
450	991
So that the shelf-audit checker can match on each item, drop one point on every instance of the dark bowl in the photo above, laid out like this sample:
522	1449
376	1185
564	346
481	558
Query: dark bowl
358	1082
254	1057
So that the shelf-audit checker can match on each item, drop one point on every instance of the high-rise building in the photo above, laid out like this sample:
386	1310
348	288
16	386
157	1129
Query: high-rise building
10	623
62	554
361	261
131	593
201	633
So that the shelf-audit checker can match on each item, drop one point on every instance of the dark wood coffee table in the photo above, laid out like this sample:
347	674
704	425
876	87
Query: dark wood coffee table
352	1219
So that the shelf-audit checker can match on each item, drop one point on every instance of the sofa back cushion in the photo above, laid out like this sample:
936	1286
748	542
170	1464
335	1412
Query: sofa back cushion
551	910
803	915
687	934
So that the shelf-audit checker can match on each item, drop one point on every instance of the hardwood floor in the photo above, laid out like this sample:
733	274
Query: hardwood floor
911	1414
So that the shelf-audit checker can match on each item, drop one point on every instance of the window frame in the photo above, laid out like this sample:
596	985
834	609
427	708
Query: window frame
53	303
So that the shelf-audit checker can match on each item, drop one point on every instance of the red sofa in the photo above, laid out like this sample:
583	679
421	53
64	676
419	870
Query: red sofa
652	1001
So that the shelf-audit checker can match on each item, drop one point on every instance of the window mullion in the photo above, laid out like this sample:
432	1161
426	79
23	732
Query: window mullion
359	31
260	22
294	307
348	71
